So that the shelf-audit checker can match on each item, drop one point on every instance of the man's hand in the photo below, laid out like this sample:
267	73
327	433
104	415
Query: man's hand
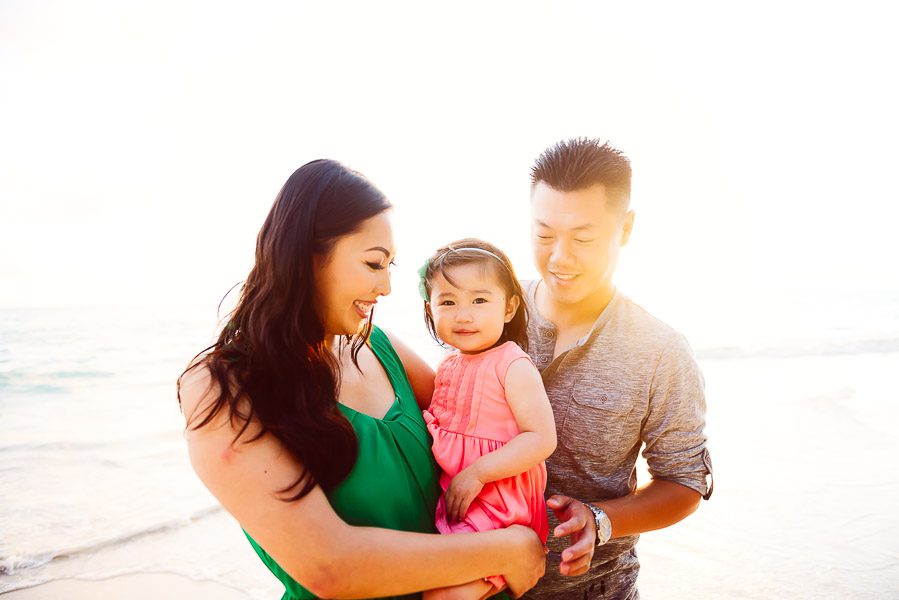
462	490
577	522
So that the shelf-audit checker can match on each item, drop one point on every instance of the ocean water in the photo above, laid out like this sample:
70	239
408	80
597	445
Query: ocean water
95	480
91	454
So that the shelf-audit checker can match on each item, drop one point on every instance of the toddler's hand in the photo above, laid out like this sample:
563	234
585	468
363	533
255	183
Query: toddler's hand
462	490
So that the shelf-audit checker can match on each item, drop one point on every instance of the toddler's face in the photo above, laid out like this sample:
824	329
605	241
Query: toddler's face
470	312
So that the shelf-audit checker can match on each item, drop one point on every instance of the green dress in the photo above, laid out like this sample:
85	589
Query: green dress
394	481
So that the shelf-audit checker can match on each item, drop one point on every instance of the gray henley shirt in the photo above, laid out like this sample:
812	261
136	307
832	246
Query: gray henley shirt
631	383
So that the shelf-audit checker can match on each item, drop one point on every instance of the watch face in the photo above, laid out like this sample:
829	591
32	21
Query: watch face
604	529
603	526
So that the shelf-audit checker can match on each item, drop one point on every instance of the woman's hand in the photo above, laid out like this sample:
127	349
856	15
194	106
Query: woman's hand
462	491
528	560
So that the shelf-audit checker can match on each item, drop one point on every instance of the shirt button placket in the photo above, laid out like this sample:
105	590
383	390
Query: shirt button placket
550	335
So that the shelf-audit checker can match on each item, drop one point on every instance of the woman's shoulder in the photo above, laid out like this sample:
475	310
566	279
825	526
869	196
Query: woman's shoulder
378	334
203	405
386	346
223	438
196	390
385	343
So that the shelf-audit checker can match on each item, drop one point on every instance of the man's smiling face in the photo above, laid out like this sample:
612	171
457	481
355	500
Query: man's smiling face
576	237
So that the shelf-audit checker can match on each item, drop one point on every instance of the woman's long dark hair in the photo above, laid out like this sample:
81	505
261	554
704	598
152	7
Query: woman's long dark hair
271	355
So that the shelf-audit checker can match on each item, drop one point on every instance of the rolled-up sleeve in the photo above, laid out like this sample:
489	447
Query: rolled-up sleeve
674	431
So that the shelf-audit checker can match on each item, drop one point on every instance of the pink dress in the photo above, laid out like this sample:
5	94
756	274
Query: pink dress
468	418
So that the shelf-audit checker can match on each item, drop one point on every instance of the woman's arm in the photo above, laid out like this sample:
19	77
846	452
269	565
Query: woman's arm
311	543
535	442
420	373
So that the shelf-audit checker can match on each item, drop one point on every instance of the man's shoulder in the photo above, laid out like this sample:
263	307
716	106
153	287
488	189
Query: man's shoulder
527	286
639	326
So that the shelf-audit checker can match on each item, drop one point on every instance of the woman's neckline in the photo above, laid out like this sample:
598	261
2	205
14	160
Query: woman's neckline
396	394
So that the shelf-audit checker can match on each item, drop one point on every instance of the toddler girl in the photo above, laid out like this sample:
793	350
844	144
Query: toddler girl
490	419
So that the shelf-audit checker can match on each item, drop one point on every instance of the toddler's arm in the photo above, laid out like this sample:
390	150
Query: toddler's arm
535	442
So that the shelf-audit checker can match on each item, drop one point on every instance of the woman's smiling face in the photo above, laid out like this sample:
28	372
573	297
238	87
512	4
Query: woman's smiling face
350	279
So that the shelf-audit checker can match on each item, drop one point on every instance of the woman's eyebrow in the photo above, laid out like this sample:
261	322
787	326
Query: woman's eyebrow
380	249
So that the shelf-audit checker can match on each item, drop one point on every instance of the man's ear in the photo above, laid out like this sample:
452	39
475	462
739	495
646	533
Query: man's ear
512	307
626	227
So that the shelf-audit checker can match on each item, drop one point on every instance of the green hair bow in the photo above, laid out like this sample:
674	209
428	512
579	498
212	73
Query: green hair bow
422	286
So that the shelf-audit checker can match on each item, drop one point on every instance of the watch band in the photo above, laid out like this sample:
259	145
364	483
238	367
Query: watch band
603	524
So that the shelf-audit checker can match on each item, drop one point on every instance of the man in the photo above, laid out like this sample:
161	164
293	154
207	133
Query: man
618	379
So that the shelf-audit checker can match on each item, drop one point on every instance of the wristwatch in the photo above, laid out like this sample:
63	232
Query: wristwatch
603	524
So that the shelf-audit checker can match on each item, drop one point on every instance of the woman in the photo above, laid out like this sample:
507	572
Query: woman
304	420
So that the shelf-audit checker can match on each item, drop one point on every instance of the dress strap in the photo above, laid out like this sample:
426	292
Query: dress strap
396	372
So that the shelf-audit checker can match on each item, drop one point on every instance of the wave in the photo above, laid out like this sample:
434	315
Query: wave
14	563
40	388
81	374
48	382
55	446
36	449
804	348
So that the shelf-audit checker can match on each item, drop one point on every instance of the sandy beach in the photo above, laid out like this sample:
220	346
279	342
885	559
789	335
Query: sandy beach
142	586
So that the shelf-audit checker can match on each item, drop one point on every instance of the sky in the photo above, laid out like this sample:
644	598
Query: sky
142	143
